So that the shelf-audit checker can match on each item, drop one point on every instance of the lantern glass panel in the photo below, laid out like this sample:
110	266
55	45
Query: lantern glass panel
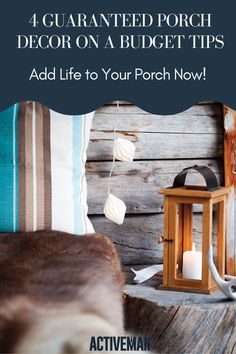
215	228
218	242
189	241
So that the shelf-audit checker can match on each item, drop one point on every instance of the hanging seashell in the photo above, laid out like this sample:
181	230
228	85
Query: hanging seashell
124	150
115	209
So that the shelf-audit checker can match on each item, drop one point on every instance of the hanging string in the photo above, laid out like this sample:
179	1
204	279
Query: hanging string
115	135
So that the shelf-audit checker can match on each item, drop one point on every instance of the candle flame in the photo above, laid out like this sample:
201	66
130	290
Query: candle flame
193	247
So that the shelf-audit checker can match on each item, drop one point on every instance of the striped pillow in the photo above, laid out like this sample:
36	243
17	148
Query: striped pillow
42	170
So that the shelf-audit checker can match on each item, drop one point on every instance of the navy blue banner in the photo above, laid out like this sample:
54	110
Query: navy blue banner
74	56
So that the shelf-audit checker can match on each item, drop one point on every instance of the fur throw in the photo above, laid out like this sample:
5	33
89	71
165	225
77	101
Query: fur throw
56	291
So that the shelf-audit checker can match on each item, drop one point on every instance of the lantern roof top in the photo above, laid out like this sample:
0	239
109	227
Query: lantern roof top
194	191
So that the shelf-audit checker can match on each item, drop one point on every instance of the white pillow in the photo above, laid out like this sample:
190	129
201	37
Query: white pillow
42	170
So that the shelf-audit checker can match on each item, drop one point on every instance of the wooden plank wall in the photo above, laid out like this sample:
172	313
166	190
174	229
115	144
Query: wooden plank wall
164	146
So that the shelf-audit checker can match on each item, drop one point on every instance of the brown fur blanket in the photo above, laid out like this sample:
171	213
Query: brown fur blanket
57	289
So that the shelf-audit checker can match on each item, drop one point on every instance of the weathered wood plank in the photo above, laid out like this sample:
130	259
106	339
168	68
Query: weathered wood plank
204	119
136	239
180	322
195	135
199	109
138	183
129	103
156	168
115	103
172	298
158	145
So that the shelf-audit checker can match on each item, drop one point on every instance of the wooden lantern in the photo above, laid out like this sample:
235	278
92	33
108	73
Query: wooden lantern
179	258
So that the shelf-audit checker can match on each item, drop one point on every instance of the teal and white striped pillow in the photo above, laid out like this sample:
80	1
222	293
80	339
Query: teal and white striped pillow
42	169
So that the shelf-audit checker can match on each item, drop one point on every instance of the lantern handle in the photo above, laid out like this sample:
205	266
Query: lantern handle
206	172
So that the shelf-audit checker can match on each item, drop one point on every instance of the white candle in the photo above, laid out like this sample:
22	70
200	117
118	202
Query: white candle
192	264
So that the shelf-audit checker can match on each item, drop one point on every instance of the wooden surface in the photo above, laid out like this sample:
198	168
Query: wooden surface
137	238
176	322
204	120
165	145
139	182
181	322
205	146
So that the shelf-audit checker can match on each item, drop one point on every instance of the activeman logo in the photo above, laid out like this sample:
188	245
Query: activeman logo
122	343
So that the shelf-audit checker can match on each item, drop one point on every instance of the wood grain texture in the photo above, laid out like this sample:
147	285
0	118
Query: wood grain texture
156	137
139	182
153	146
165	145
183	323
136	240
205	119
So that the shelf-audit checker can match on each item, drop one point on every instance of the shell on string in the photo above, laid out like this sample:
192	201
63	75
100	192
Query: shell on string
124	150
115	209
